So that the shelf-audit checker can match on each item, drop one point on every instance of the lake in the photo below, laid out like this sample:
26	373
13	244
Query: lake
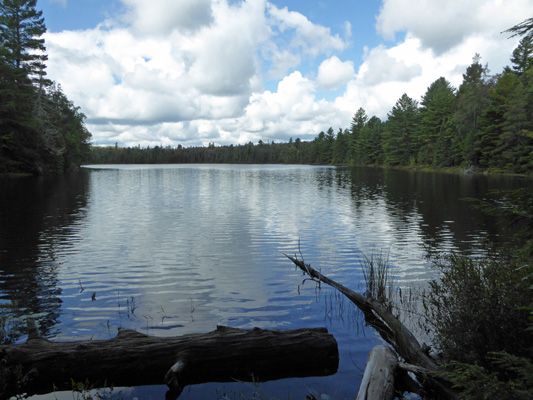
175	249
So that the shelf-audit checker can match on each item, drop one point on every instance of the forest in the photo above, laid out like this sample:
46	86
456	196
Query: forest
41	130
486	123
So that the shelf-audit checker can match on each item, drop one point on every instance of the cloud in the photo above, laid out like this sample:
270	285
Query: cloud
311	38
161	17
332	73
219	71
169	72
294	37
441	26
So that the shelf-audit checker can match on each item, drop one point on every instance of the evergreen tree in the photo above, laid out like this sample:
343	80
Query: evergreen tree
21	28
522	57
340	147
492	120
327	155
370	142
523	28
516	140
472	101
400	132
436	112
40	129
358	122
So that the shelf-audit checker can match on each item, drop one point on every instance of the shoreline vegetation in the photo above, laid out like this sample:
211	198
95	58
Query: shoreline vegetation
41	130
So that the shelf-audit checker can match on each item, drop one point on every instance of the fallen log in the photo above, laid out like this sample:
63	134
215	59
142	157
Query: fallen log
133	359
379	315
379	377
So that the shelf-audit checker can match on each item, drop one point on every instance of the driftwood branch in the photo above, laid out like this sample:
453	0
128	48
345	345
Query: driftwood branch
379	378
393	331
132	358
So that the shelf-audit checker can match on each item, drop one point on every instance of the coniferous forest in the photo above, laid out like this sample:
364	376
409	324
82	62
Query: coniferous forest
41	130
486	123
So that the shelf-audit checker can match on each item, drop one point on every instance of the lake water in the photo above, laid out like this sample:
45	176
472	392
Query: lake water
175	249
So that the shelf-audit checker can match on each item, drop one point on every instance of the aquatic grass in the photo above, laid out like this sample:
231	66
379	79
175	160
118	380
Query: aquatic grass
378	278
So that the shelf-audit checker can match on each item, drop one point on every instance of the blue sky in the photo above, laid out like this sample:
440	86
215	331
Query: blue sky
194	72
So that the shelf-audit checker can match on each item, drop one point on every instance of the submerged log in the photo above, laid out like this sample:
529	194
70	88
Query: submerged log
132	359
393	331
379	378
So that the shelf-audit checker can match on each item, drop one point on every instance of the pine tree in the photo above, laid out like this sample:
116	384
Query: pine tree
436	123
358	122
370	142
522	57
523	28
340	147
400	132
472	101
21	30
40	129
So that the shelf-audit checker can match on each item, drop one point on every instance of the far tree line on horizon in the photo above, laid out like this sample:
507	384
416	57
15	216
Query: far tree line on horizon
486	123
41	130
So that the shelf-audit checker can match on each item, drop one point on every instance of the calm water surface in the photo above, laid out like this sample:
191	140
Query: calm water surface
175	249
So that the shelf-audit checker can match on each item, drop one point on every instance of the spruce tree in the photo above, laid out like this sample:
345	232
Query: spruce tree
399	137
436	123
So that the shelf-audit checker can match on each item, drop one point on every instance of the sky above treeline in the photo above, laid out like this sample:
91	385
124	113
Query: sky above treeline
194	72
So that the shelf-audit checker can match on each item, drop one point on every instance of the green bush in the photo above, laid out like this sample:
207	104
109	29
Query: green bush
511	380
481	306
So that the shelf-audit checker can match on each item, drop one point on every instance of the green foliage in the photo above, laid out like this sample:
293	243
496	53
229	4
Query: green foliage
523	28
480	312
522	57
472	101
480	306
399	137
436	127
510	377
377	275
41	130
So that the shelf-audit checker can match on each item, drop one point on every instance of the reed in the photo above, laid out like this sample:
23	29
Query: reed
378	278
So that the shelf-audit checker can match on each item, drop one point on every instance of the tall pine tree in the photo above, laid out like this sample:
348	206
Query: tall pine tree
399	136
435	134
40	129
472	101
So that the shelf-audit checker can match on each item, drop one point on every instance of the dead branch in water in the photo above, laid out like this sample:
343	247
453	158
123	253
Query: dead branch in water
378	314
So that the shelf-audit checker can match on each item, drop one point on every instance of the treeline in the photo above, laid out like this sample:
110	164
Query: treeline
41	130
485	123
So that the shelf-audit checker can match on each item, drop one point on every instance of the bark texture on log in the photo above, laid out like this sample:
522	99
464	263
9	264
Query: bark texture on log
392	330
132	358
379	378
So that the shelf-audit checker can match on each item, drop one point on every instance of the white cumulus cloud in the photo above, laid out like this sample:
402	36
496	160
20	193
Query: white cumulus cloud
332	73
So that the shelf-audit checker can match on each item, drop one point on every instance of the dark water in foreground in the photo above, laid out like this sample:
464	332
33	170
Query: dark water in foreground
176	249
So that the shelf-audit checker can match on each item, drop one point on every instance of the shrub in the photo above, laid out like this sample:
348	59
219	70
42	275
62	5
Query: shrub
481	306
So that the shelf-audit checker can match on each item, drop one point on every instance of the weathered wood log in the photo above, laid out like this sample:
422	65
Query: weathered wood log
379	377
392	330
132	358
